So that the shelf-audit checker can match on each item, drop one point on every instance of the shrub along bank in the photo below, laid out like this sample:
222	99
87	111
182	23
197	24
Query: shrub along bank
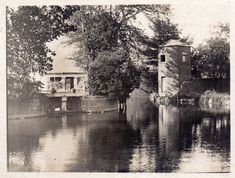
215	100
210	99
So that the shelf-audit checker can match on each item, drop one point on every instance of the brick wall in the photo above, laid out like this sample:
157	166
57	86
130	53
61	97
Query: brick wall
42	106
98	104
28	108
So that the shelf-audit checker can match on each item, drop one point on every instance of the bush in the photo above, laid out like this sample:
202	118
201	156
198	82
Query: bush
53	90
73	90
113	73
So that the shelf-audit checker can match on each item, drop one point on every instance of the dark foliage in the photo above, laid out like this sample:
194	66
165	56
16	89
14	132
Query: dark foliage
29	28
113	73
212	60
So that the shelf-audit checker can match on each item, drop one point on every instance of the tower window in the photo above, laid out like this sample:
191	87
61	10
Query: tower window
162	83
163	58
184	55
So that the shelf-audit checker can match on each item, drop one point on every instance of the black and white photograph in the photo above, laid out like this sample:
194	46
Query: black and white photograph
118	88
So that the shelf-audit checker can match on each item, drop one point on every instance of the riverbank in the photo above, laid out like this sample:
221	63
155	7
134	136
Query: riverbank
209	99
36	107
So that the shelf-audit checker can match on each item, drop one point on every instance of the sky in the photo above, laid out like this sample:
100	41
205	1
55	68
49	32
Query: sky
195	19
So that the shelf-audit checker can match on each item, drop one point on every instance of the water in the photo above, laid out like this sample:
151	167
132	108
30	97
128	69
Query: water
145	139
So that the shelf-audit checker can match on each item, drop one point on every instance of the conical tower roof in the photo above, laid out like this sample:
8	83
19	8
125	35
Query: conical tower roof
174	42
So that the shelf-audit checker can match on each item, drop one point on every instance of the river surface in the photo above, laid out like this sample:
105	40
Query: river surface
147	138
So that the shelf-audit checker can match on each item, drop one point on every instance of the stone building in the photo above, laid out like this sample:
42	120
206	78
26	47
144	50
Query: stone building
174	67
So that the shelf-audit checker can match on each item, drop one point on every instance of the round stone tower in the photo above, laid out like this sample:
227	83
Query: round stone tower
174	67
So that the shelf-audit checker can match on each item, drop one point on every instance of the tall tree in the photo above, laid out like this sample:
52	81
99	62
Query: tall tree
212	60
29	28
164	30
104	28
113	73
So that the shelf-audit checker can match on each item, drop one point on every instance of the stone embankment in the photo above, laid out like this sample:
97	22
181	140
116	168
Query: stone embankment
36	107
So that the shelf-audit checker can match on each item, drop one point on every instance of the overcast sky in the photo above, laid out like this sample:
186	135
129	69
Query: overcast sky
198	19
195	19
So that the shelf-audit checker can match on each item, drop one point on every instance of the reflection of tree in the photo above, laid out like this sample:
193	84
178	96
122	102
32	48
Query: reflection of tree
23	137
183	129
142	115
140	112
108	143
216	135
190	121
177	134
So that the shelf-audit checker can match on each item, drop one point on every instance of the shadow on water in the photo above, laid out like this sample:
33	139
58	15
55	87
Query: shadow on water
145	139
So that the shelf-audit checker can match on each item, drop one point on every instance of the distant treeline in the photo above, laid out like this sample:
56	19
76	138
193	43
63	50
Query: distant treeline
199	86
219	85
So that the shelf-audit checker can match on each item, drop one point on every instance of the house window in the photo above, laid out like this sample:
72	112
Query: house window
78	80
58	79
52	79
163	58
184	55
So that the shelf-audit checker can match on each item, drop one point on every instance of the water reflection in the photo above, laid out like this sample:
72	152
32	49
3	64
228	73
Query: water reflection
145	139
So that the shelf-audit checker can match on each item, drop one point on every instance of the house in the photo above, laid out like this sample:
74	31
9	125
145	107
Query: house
65	77
174	67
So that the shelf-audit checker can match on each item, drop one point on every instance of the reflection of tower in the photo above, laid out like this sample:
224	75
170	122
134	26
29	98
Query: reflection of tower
169	127
168	154
64	120
174	67
139	109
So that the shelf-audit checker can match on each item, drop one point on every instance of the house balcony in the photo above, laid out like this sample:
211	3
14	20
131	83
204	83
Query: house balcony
65	93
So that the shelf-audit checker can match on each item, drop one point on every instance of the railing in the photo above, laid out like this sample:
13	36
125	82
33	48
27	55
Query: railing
67	93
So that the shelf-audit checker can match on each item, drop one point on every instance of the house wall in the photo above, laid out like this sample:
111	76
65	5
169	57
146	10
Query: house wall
174	70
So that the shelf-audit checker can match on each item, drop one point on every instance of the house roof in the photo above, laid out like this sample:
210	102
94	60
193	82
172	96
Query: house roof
174	42
65	66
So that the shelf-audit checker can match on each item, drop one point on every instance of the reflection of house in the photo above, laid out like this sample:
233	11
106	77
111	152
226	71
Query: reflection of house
65	77
174	67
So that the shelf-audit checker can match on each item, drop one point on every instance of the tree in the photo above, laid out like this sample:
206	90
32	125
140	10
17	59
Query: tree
212	60
105	28
29	28
164	30
113	73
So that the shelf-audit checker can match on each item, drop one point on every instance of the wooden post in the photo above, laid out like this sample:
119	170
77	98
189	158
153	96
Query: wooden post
64	82
64	103
64	120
